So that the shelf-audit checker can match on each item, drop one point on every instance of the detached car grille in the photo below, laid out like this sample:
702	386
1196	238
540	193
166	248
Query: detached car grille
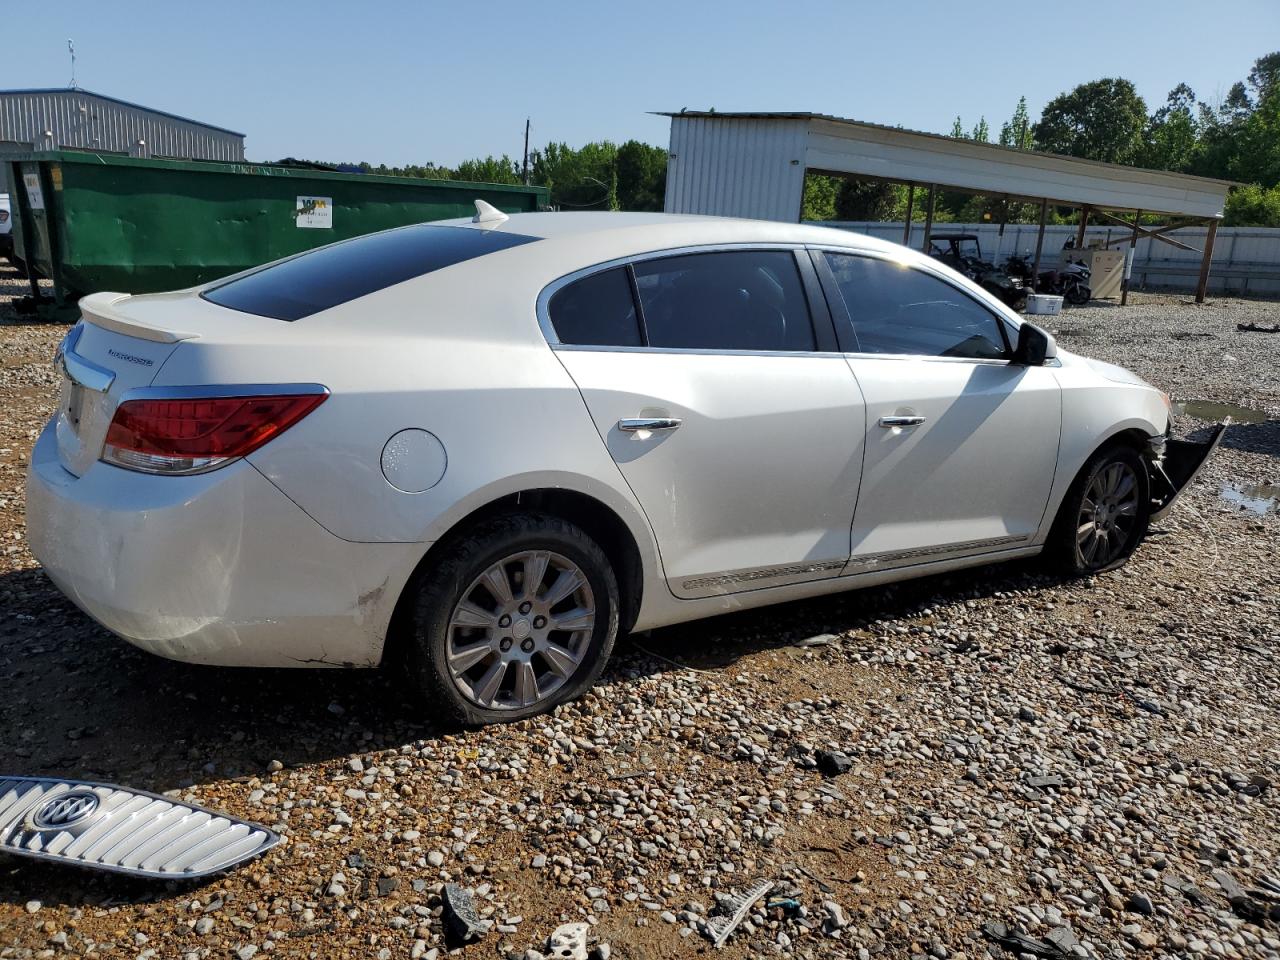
121	830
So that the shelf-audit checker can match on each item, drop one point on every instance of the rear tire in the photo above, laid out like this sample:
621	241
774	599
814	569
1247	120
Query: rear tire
1078	294
1104	516
488	647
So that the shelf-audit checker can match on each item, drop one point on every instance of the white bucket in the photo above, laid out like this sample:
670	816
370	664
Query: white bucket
1044	304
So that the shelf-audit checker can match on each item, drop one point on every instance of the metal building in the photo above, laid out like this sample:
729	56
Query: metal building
74	119
754	164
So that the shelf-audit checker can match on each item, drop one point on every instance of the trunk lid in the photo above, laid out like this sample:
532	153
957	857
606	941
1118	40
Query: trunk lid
105	356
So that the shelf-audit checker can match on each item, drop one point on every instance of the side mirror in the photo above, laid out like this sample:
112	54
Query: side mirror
1035	346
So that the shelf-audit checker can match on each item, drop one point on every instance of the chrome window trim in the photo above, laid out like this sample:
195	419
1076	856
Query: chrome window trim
555	286
1010	327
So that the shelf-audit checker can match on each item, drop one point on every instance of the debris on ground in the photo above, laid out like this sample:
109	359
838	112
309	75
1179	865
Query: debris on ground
461	917
1056	945
568	942
719	928
833	763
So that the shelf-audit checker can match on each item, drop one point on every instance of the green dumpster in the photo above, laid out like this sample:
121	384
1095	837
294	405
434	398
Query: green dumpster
93	222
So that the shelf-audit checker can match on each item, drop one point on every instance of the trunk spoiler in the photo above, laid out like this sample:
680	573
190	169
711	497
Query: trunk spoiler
100	310
1181	463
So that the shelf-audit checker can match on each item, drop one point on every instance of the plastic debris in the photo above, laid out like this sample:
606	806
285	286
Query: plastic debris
719	929
1055	946
568	942
462	919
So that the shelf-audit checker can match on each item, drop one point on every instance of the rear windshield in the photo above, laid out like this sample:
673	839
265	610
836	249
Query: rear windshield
324	278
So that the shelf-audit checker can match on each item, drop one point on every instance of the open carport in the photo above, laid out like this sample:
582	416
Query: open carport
754	165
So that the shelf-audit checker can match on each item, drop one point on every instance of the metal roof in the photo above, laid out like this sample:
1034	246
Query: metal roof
712	150
47	91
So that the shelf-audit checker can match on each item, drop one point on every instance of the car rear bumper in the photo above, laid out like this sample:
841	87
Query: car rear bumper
219	568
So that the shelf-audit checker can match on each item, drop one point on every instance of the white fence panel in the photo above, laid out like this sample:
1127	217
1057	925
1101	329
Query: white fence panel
1246	260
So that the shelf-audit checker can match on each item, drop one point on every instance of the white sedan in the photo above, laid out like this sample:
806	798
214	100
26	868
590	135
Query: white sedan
479	450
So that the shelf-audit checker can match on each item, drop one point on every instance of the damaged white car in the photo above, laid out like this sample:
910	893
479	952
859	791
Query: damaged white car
480	450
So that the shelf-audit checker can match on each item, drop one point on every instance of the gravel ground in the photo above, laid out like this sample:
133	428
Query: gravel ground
1148	696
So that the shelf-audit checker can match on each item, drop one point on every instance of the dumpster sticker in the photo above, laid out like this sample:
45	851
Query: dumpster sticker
315	213
35	196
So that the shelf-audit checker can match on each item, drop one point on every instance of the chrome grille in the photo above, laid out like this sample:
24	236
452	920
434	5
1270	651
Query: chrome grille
122	830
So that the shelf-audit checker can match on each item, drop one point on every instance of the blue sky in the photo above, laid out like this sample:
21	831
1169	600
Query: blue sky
425	81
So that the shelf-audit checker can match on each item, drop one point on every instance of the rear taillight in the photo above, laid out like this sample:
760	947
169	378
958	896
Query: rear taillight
4	216
198	434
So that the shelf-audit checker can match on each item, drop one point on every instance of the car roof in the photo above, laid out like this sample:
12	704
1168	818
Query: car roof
665	230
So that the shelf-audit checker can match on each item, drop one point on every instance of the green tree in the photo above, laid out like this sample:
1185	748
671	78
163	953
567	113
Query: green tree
584	179
489	170
1172	137
1101	120
957	130
818	202
1253	206
981	132
1017	132
642	176
868	200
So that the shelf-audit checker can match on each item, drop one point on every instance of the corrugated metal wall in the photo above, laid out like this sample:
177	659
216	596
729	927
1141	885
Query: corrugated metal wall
733	169
79	120
1246	260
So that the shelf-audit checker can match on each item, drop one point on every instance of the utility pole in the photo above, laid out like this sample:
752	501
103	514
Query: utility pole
525	175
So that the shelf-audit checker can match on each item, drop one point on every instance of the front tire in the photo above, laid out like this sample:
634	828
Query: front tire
1104	516
519	615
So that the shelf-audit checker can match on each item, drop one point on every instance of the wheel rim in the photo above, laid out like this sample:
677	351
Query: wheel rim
520	630
1108	514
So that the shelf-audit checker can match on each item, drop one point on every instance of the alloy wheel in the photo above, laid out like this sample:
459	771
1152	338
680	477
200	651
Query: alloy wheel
1108	514
520	630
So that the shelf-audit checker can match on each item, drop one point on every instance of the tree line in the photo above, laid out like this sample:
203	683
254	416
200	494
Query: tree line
598	176
1237	139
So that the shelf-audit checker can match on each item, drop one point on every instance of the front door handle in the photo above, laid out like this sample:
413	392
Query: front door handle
901	421
648	423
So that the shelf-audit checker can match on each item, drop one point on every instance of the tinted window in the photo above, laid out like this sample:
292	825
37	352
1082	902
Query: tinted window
739	300
896	309
597	310
332	275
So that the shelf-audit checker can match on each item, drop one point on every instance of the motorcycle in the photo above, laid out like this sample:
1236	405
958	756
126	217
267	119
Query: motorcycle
1071	282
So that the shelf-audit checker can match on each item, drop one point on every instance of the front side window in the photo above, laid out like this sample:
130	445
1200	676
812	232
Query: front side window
731	300
900	310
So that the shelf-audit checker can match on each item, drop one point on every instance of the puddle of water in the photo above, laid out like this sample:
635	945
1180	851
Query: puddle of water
1259	498
1212	410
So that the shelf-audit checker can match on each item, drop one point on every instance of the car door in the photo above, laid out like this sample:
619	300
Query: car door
735	421
962	443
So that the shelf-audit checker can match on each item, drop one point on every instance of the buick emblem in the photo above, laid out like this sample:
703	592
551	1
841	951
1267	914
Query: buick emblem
65	810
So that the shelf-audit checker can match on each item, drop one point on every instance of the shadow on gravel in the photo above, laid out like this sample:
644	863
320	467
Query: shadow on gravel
721	640
1250	437
81	703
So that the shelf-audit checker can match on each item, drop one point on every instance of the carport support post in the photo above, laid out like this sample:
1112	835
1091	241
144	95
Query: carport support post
911	202
1133	245
1203	285
928	217
1084	222
1035	269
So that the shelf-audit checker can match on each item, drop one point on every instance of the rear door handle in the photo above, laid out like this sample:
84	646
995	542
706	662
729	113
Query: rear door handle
648	423
901	421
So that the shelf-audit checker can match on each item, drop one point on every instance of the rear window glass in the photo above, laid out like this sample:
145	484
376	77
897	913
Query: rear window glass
332	275
597	310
